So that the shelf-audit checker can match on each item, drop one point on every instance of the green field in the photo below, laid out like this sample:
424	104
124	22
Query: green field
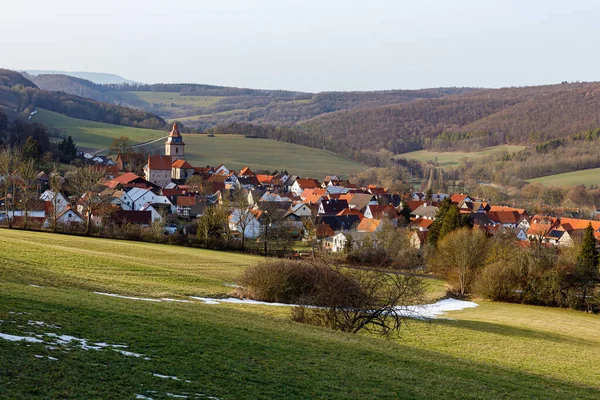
169	98
91	135
253	352
454	158
585	177
232	150
237	151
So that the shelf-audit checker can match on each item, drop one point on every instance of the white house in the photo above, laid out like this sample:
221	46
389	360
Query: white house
60	203
67	217
247	220
139	197
156	216
336	243
300	184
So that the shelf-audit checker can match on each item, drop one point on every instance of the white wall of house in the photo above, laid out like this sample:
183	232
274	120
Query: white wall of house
61	202
252	228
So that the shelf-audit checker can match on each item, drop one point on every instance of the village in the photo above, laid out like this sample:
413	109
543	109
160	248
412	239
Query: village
172	193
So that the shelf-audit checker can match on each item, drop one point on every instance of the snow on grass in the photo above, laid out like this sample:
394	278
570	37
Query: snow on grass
419	311
128	297
42	324
37	286
15	338
166	377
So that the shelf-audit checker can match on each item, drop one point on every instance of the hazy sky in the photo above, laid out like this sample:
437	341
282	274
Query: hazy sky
309	45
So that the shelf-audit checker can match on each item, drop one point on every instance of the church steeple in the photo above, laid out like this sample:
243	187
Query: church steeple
174	146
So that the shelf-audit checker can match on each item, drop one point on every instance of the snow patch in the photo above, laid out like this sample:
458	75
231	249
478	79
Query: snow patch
175	300
128	297
142	397
37	286
177	396
42	324
419	311
208	300
15	338
166	377
436	309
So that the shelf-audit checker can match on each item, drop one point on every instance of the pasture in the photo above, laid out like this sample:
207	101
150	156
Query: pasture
585	177
448	159
61	338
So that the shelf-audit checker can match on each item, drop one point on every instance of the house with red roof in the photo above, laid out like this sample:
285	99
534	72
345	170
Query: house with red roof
301	184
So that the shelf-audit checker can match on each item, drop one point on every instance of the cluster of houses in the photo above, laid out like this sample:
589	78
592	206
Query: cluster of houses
333	209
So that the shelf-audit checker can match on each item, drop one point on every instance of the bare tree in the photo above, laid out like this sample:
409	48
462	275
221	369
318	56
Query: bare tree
9	159
27	172
242	215
121	145
87	183
459	257
56	185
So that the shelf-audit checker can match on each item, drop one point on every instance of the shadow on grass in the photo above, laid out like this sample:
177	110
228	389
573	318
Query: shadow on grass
512	331
233	356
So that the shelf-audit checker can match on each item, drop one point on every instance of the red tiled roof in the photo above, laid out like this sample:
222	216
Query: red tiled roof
505	217
308	183
422	223
457	198
186	201
181	164
353	211
158	162
368	225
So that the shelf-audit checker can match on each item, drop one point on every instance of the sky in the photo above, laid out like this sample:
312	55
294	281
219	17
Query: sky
309	45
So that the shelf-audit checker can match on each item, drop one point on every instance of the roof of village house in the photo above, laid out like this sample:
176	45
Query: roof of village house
332	207
505	217
368	225
360	201
425	211
376	190
379	211
307	183
541	224
421	223
507	208
181	164
246	172
337	223
323	230
571	224
131	217
351	211
186	201
457	198
312	196
158	162
265	179
414	204
69	209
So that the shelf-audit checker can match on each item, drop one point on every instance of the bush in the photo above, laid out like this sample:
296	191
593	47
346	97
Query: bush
295	282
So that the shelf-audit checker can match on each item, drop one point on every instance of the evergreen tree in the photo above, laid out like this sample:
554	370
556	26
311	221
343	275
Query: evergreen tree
31	149
586	272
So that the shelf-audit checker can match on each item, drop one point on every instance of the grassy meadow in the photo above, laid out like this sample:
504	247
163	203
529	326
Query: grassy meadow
91	135
237	151
232	150
453	158
585	177
230	351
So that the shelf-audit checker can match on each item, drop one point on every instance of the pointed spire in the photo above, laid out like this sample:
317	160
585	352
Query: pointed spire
175	131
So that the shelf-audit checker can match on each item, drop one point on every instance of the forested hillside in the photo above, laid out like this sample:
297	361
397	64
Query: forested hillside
20	96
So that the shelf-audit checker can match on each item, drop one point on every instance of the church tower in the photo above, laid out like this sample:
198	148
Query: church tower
174	146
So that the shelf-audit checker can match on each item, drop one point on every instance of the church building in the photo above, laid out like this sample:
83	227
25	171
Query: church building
161	168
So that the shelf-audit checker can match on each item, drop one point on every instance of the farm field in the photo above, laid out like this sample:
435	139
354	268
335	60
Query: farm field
585	177
453	158
91	135
237	151
235	351
169	98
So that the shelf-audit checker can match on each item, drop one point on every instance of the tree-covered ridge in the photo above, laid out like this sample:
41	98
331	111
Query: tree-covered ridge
19	96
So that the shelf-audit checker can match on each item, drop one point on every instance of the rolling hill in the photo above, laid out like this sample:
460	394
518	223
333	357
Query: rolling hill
114	319
235	151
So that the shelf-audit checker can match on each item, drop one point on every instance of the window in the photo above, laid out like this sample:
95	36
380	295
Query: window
177	150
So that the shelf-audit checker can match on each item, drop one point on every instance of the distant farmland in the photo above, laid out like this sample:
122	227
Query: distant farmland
585	177
453	158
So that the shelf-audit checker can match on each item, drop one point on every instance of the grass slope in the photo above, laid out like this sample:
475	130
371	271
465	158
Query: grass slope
255	352
233	151
91	135
453	158
585	177
236	152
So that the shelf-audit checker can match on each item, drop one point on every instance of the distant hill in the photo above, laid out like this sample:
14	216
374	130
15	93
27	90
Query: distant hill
96	77
19	95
